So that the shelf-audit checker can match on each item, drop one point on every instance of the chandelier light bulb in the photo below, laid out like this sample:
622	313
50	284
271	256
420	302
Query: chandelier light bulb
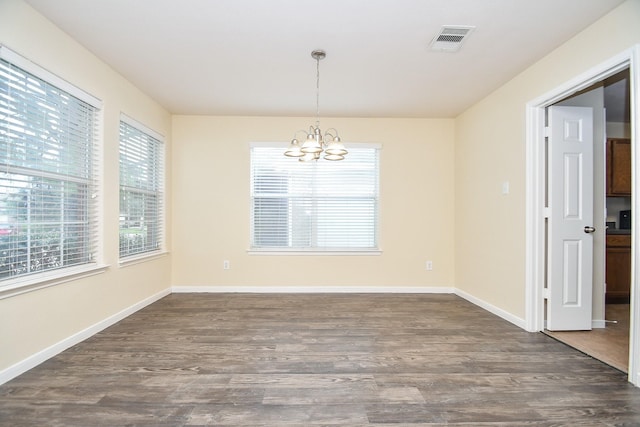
294	149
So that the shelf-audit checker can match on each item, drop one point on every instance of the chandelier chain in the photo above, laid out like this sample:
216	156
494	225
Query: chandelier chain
317	91
316	141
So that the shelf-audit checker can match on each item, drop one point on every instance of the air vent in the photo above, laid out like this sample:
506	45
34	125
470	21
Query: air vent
450	38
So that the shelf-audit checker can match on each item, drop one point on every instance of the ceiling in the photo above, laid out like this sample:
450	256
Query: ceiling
253	57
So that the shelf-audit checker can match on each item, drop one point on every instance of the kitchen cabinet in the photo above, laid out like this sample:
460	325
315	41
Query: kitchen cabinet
618	268
618	167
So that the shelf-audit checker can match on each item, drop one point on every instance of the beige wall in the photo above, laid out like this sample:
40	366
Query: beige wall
211	204
441	191
36	320
490	148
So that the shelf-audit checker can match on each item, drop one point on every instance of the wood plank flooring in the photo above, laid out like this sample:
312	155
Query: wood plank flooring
318	359
609	344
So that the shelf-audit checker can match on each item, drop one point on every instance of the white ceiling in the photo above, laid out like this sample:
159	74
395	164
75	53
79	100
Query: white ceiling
252	57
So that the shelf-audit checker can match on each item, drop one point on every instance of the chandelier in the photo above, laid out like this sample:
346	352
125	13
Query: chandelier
317	142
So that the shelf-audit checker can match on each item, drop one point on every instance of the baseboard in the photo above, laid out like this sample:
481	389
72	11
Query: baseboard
315	289
598	324
37	358
492	309
355	289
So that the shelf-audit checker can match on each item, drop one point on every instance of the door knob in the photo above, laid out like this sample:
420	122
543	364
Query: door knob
588	229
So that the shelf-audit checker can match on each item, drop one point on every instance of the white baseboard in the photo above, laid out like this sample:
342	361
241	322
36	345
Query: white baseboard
41	356
598	324
492	309
315	289
355	289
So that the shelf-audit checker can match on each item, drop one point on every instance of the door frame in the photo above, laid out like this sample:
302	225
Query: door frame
536	211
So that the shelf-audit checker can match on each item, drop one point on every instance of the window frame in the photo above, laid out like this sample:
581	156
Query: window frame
315	251
146	255
94	265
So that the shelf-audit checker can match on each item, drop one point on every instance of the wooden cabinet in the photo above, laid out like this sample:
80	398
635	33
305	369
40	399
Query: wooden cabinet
618	167
618	268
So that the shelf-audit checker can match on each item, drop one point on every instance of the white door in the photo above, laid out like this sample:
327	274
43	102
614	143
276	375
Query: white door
570	198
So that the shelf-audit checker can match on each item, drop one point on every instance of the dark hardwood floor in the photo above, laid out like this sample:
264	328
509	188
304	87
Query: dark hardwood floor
310	359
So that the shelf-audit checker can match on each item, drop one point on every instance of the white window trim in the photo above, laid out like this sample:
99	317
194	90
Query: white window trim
162	250
142	127
40	72
282	144
140	258
316	251
33	282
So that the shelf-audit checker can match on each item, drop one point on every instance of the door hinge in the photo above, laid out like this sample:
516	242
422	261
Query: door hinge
547	131
545	293
546	212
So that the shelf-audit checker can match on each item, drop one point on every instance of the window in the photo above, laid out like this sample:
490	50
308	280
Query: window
314	206
141	189
48	185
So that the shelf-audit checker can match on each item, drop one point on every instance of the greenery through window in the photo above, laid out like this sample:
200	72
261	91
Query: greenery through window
141	165
47	172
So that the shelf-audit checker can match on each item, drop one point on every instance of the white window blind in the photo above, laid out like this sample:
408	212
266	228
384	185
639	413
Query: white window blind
48	186
317	206
141	189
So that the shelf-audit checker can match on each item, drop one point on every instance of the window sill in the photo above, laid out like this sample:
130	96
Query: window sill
38	281
315	252
137	259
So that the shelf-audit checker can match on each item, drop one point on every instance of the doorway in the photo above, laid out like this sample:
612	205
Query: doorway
605	334
537	210
609	344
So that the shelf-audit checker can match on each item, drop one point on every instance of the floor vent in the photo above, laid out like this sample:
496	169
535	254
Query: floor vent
450	38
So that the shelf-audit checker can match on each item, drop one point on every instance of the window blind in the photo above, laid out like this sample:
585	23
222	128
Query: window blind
48	185
314	205
141	189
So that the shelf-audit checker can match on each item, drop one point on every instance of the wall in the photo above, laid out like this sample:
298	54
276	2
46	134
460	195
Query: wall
32	322
619	129
211	205
490	148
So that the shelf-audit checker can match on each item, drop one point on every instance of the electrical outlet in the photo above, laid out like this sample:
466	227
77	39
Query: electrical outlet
226	265
429	266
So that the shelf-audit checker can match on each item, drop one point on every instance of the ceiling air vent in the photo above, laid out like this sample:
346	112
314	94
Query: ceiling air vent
450	38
